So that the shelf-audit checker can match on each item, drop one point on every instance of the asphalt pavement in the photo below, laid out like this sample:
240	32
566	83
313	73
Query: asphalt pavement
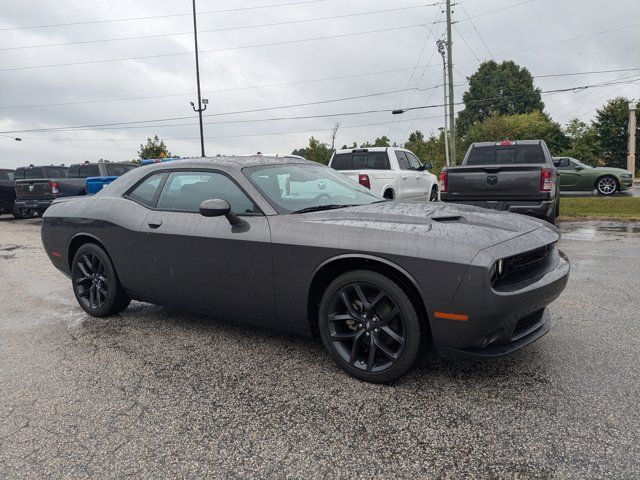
158	393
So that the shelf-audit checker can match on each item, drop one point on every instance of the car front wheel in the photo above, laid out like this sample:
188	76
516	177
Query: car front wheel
370	326
433	197
607	185
95	283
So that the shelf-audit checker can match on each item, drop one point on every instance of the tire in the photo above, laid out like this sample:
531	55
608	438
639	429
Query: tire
554	214
433	197
607	185
95	283
349	326
21	213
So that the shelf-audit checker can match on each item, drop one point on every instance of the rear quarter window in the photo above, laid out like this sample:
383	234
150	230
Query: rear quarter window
507	155
361	161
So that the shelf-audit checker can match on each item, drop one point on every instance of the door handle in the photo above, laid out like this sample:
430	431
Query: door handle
154	223
404	178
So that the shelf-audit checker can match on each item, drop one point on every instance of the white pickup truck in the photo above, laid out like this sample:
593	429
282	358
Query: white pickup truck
393	173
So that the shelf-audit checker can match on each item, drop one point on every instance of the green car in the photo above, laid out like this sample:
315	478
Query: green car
578	176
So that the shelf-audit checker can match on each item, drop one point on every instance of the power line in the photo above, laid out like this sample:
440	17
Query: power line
113	20
223	29
490	99
476	29
466	43
216	50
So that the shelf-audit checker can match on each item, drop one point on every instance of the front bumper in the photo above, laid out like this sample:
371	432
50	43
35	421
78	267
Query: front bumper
536	208
504	318
625	183
33	204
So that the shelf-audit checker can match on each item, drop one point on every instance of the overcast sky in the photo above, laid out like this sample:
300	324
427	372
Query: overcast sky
533	33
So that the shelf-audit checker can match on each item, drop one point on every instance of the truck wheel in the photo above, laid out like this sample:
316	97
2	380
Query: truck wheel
554	214
21	213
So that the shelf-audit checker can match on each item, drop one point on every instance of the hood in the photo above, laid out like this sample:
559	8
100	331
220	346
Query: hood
439	225
612	170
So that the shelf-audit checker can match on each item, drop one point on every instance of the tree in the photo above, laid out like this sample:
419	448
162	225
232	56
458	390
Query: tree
583	140
378	142
334	134
611	126
498	88
154	148
316	151
354	145
526	126
429	150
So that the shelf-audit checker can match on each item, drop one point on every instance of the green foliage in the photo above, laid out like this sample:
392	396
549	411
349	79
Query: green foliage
316	151
154	148
527	126
611	126
429	150
583	140
355	145
601	208
378	142
498	88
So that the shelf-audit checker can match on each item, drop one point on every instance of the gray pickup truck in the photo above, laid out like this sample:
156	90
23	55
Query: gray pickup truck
517	177
37	187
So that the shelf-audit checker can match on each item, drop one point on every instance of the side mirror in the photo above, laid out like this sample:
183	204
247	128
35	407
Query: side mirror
427	166
578	168
562	163
216	208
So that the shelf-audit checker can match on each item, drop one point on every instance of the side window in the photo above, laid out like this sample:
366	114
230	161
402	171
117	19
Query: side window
90	170
402	161
185	191
116	169
19	174
413	160
145	192
74	171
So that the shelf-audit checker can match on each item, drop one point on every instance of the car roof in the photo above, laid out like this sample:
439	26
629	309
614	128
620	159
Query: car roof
235	161
6	170
514	142
368	149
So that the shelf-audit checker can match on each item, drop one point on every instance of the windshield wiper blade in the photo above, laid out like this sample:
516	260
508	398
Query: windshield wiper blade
319	208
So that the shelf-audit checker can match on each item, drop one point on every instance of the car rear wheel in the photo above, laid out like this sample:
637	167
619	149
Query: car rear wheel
95	283
370	326
607	185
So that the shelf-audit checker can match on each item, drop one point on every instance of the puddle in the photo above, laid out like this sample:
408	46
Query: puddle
598	231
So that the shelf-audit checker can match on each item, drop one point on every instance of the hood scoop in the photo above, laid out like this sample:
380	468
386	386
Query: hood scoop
447	218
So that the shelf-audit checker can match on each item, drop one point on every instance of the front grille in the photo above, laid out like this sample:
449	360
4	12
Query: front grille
525	324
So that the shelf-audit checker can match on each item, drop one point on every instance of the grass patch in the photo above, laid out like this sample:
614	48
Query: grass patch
604	208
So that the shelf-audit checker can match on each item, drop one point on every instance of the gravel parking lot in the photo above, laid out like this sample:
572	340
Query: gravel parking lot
159	393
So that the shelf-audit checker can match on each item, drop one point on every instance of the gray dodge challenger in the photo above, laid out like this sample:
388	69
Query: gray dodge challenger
294	245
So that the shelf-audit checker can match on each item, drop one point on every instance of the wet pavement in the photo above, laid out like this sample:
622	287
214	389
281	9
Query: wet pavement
158	393
632	192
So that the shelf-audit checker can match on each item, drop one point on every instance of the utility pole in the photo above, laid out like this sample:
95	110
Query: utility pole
633	128
440	44
200	99
452	119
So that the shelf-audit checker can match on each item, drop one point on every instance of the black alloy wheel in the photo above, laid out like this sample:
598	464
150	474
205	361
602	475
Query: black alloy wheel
370	326
95	282
433	197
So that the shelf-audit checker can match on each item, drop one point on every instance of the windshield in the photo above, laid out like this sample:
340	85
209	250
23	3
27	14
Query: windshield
294	187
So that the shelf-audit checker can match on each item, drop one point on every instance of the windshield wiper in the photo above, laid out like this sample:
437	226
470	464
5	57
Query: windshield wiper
319	208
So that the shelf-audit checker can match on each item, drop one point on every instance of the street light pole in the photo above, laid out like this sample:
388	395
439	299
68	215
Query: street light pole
199	109
440	44
452	118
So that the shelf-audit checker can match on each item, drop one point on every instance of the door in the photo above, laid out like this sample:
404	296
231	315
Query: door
423	179
570	177
408	177
207	262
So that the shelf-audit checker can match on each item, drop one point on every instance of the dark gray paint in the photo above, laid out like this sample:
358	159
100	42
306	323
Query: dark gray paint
261	271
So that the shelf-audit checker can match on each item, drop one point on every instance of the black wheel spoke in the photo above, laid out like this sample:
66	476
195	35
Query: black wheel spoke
390	316
354	348
340	317
347	303
385	350
361	296
397	338
344	335
92	296
376	300
84	270
372	356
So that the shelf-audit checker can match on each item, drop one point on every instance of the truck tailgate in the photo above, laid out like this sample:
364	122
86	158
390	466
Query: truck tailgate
33	189
487	182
